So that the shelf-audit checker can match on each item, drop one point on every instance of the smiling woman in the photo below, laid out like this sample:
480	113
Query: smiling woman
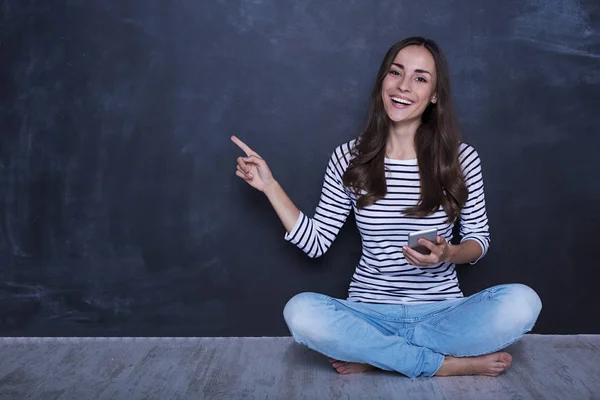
409	87
407	171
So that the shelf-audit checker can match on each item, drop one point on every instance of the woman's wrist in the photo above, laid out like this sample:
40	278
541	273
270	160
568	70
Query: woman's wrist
270	187
463	253
450	253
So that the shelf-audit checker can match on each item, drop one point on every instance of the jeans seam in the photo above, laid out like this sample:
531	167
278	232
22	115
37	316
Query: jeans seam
452	310
434	313
331	300
427	316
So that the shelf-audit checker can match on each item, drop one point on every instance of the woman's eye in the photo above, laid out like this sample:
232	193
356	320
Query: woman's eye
421	79
394	72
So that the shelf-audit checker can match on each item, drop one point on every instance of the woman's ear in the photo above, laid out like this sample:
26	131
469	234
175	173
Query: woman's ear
434	98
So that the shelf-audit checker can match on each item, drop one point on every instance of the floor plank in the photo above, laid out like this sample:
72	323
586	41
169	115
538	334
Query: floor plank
544	367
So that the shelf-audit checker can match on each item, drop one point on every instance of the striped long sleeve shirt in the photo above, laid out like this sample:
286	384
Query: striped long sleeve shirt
382	274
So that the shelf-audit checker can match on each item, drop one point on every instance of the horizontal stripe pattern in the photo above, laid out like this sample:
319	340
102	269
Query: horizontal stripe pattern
382	274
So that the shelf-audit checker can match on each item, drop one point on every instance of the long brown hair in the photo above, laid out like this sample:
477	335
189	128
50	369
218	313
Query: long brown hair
437	143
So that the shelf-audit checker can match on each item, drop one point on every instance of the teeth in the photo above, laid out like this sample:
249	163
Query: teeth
401	101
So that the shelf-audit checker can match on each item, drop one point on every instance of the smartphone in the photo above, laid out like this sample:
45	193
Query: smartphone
427	234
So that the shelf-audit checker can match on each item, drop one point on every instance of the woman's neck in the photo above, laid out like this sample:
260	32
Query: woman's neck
401	141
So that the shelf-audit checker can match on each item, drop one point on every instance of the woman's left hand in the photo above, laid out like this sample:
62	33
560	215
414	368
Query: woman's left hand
440	251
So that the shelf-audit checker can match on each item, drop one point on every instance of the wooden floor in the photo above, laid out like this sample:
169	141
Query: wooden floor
544	367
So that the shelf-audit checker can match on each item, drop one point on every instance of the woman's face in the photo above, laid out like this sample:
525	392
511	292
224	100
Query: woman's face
409	85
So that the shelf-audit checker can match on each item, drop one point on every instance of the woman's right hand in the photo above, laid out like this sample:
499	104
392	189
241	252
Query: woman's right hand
252	168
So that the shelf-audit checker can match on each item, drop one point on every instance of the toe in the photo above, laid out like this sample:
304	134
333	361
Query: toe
341	369
499	370
500	365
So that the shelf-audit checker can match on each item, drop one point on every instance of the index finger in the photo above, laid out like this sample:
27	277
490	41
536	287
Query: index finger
243	146
428	243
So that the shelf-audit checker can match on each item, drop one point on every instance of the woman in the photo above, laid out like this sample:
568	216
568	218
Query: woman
407	171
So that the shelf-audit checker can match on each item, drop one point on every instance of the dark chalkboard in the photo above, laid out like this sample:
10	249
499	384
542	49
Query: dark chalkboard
120	211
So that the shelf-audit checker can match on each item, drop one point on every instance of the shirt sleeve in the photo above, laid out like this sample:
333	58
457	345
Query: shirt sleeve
315	235
473	215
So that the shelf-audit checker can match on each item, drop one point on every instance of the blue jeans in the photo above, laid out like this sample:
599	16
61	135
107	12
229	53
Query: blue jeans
413	338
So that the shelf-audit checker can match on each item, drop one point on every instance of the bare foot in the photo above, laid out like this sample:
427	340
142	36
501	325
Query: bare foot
487	365
347	368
